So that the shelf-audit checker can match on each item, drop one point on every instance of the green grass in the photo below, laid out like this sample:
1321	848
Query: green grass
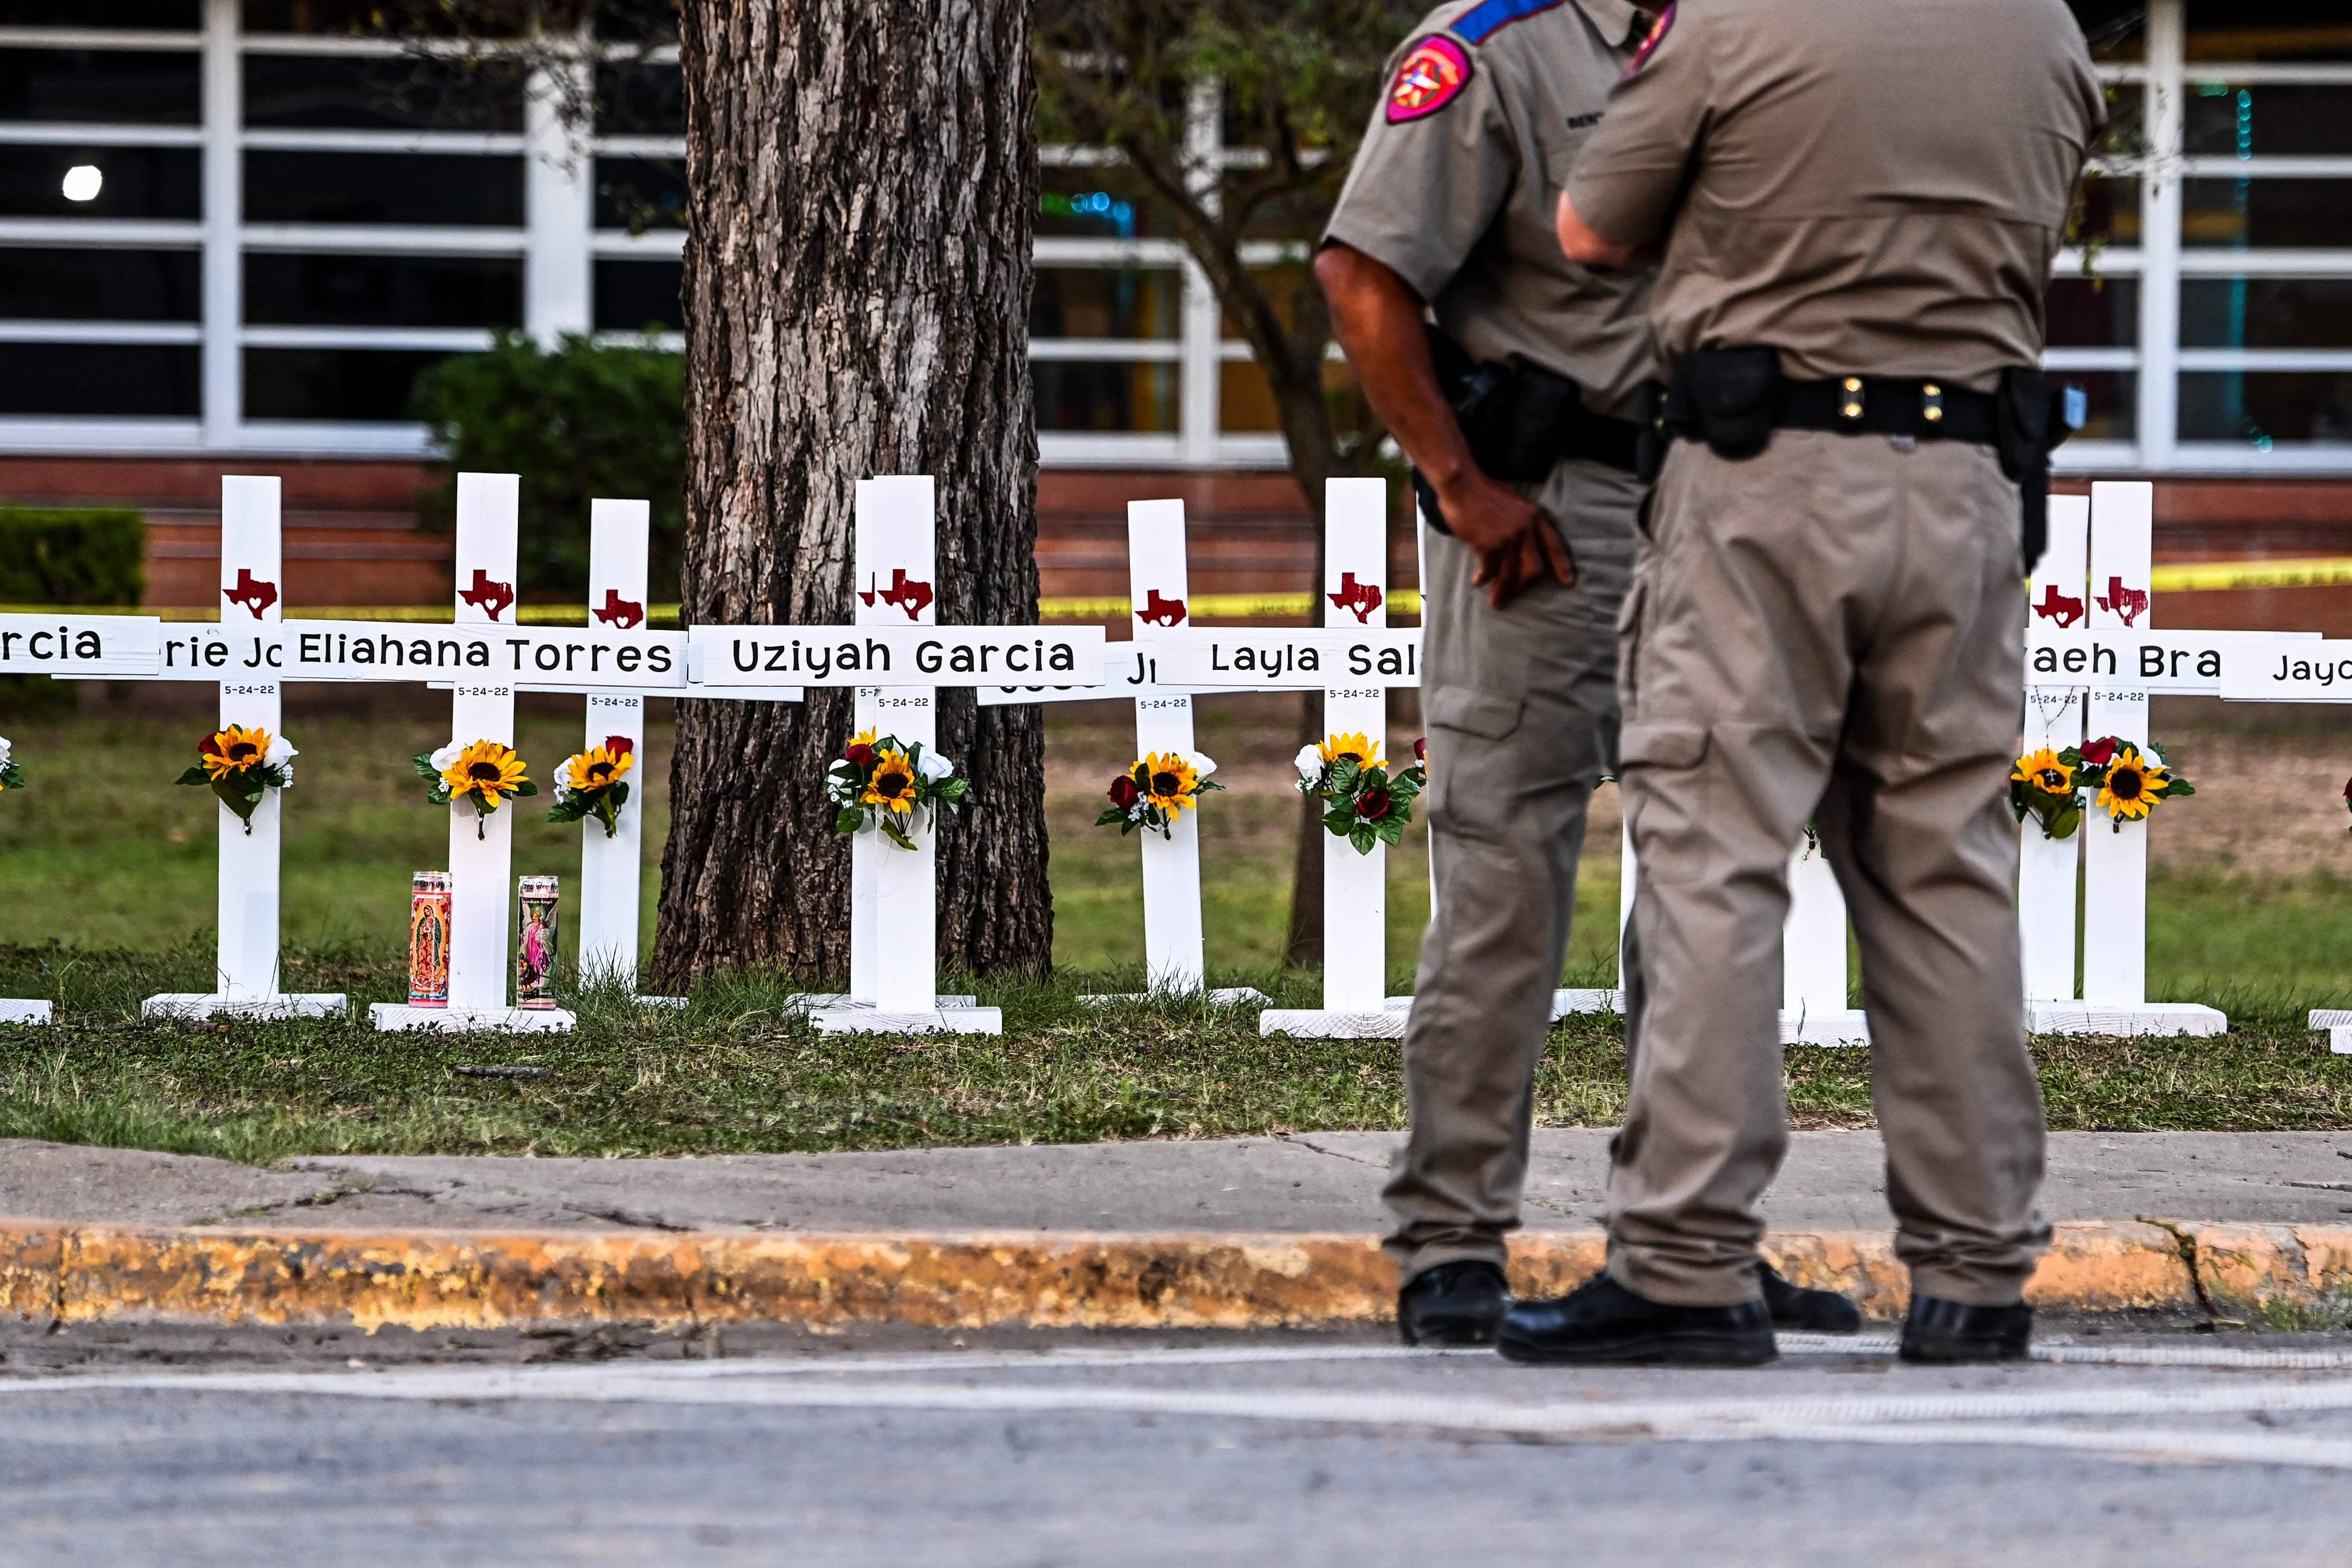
113	871
735	1072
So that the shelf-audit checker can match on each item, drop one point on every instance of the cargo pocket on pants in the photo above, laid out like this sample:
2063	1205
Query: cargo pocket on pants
1667	790
1473	779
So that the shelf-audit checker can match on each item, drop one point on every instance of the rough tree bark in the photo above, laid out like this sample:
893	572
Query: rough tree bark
863	187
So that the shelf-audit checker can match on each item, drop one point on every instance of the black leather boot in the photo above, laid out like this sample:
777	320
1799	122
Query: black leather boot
1800	1310
1950	1333
1458	1303
1604	1324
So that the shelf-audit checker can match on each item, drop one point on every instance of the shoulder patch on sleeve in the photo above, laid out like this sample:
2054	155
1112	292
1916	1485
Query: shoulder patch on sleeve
1433	74
1658	31
1483	21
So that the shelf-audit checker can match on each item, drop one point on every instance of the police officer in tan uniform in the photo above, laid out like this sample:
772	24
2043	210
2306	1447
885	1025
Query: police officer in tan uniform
1515	407
1859	203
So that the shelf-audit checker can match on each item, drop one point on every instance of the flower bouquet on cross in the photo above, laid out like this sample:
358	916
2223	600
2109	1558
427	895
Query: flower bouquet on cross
487	773
10	775
2128	782
879	780
1364	802
1155	789
2125	781
241	767
593	784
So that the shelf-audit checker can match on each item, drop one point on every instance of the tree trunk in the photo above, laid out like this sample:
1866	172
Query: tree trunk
863	187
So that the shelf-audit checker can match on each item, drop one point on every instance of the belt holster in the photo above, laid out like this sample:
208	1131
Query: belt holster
1518	421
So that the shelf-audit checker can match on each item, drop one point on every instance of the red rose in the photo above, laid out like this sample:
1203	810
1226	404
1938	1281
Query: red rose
1123	792
619	745
2100	752
2347	789
1372	805
1421	749
860	757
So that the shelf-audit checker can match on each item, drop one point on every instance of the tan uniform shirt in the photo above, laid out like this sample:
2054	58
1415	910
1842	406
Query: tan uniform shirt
1455	185
1863	185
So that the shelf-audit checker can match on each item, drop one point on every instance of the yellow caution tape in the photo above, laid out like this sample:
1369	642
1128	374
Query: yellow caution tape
2207	576
1217	606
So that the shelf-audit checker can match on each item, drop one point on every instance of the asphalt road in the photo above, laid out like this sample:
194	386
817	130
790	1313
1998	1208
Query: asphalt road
2135	1448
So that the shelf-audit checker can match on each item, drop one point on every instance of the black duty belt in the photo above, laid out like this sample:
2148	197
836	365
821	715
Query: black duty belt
1597	438
1872	406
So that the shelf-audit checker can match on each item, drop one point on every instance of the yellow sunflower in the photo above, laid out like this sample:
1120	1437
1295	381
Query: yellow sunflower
2045	770
596	767
1358	747
2133	786
487	771
231	749
1167	780
892	787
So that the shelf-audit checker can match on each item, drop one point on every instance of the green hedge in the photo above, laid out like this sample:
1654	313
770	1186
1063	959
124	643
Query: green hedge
84	555
582	422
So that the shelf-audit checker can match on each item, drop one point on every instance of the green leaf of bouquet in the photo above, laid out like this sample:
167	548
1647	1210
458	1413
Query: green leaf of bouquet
1112	815
1391	830
848	820
195	775
1363	838
526	787
895	833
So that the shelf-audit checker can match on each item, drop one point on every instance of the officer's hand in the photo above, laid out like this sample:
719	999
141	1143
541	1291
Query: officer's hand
1514	540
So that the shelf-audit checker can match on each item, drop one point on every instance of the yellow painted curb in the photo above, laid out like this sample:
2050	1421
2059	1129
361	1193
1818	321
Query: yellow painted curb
447	1279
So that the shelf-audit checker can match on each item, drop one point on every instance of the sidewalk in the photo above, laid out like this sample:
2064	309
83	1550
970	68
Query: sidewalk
2254	1227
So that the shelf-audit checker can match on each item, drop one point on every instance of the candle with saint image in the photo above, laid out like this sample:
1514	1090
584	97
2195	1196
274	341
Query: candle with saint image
535	902
428	939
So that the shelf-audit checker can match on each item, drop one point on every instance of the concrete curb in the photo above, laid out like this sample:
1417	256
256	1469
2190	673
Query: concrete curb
2265	1275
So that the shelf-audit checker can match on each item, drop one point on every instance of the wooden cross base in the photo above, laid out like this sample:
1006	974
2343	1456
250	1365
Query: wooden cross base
516	1020
1224	997
2127	1021
283	1004
24	1011
1330	1023
867	1019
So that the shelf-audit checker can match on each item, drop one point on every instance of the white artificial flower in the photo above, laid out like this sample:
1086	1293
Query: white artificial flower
562	790
1204	764
4	748
281	752
446	757
934	767
1310	763
287	771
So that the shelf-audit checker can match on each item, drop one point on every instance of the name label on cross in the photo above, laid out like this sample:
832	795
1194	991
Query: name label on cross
42	643
1290	659
895	656
2172	663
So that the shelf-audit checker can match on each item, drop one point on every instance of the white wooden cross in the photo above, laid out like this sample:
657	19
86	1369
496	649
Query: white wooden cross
71	647
241	654
1159	601
1353	661
896	657
2093	660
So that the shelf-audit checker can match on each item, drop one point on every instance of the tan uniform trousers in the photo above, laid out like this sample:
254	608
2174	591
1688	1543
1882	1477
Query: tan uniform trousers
1521	707
1831	630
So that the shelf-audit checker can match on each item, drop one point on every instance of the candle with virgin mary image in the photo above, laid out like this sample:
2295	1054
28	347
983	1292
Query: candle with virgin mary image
535	901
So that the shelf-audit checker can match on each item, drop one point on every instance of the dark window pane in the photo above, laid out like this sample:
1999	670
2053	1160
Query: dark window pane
134	87
635	21
2115	404
123	13
2261	214
640	194
2268	121
2106	212
341	18
135	181
1106	302
2094	312
1124	397
2263	410
381	94
122	381
71	284
370	385
632	296
640	101
384	291
1077	201
2266	30
2266	314
382	187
